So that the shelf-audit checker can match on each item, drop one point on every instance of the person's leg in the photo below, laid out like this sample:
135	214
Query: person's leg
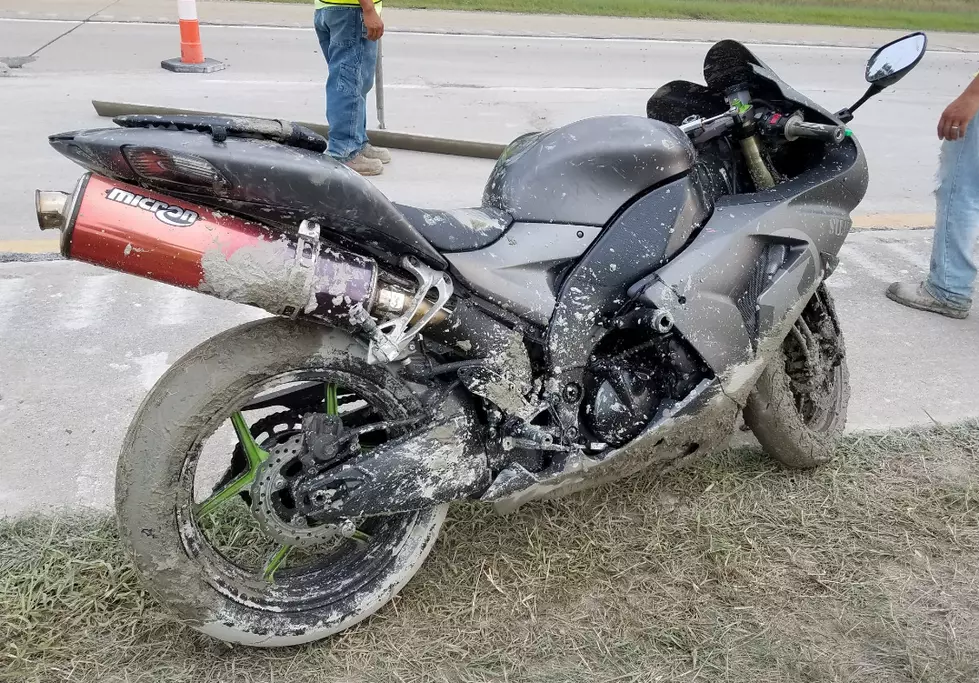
953	270
368	67
322	33
345	105
948	289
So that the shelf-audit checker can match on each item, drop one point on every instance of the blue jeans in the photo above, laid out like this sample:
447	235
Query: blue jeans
351	59
953	270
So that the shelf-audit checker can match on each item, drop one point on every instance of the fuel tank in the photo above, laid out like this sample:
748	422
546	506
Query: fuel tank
585	172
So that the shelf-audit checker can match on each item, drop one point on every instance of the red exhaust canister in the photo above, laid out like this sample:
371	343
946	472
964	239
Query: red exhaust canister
136	231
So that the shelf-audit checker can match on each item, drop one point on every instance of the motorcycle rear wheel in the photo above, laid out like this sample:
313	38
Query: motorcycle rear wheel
169	535
797	410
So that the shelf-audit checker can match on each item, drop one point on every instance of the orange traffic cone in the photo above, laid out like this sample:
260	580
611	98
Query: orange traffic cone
191	60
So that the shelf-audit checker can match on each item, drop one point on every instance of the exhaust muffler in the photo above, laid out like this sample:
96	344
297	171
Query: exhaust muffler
140	232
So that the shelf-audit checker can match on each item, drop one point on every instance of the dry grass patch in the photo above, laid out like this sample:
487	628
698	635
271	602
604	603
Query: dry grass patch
732	570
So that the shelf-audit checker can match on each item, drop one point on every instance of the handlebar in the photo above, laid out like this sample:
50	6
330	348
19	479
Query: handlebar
796	128
771	123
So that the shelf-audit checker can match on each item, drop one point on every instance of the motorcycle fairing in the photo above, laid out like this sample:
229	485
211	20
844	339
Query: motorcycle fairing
808	216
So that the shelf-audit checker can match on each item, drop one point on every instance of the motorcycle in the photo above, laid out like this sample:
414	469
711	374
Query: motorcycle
629	288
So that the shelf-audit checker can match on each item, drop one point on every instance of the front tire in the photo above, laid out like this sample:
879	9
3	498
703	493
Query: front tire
156	511
797	410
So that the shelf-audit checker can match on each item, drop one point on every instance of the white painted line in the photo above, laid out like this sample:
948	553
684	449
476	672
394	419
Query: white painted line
179	308
922	262
151	368
11	292
86	302
839	279
91	483
484	36
271	83
850	256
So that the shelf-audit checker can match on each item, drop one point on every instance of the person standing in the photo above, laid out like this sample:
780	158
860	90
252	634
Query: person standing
952	276
348	31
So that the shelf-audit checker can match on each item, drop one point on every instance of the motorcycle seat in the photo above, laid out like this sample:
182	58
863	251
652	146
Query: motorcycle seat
457	230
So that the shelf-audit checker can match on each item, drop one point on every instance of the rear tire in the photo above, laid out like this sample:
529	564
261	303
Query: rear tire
797	410
156	517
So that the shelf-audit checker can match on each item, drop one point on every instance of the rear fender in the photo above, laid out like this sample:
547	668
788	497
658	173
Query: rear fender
265	181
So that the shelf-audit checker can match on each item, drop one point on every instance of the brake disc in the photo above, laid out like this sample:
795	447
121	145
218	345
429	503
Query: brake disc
274	506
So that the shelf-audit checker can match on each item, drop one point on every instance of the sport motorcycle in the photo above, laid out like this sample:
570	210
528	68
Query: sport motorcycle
629	289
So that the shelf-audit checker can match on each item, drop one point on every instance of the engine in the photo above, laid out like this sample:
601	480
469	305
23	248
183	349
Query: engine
632	376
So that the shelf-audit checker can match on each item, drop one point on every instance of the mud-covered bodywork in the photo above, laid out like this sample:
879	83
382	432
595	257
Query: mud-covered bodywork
628	290
522	272
756	257
733	293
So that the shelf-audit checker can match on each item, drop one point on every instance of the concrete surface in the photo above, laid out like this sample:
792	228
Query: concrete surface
81	346
475	87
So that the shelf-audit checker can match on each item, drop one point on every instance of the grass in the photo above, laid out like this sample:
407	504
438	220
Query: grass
930	15
731	571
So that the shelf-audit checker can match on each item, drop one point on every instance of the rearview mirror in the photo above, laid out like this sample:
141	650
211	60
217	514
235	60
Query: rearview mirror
887	66
892	62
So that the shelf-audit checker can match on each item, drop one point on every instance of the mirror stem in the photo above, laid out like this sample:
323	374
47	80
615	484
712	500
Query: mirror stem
846	115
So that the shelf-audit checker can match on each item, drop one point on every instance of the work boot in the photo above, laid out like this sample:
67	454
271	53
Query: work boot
365	166
379	153
918	296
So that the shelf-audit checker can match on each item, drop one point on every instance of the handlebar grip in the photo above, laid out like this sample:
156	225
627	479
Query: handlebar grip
795	129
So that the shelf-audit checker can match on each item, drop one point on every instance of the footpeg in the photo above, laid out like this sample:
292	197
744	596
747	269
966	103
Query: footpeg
532	437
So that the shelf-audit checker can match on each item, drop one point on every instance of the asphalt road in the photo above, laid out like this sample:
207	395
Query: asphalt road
80	347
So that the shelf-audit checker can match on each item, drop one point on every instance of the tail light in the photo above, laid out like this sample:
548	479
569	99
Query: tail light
175	169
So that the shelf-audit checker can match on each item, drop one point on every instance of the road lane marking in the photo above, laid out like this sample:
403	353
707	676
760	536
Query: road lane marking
179	308
851	257
893	221
86	302
151	368
11	292
29	246
902	250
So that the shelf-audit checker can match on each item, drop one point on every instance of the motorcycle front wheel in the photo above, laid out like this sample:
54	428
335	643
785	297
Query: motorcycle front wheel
797	410
186	483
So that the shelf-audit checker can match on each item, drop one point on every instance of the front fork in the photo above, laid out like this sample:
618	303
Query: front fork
740	101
